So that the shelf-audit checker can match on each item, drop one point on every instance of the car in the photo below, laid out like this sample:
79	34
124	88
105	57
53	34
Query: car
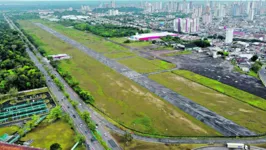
93	139
74	116
86	132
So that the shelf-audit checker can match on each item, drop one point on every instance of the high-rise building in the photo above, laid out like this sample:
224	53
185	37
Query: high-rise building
248	7
229	35
251	11
112	12
186	25
207	18
235	9
113	3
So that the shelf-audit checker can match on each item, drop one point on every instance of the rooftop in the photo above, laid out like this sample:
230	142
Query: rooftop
5	146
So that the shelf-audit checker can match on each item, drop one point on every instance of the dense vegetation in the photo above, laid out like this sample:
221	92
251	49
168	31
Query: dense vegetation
65	13
24	16
16	68
121	9
108	30
163	14
256	66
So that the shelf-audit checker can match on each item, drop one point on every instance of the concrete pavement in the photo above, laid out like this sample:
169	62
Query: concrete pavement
79	124
262	74
210	118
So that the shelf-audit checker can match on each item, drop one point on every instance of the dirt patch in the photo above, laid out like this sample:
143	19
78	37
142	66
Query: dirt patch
244	110
193	126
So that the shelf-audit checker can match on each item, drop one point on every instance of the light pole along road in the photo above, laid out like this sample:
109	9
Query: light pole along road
79	124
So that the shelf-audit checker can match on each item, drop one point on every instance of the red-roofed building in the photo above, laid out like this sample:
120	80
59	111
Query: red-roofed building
5	146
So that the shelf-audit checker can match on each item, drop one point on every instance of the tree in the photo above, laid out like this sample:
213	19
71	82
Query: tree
127	138
127	41
55	146
92	126
79	138
254	58
54	114
256	66
13	92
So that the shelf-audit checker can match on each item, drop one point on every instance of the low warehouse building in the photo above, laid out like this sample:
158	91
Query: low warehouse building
151	36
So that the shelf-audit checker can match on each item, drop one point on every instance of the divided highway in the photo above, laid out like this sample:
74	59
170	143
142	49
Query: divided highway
219	123
79	124
102	122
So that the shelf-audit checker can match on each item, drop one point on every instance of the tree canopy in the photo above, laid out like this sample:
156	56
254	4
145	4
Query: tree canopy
109	30
16	69
55	146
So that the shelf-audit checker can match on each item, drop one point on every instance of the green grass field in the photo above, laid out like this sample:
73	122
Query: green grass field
233	109
112	50
119	55
8	129
143	65
141	145
225	89
137	44
94	42
119	97
186	52
44	135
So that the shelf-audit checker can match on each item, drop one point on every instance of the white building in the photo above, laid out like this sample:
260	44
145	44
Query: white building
251	11
229	35
207	18
186	25
59	57
112	12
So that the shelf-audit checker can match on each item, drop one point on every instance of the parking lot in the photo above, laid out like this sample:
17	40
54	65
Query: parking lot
220	70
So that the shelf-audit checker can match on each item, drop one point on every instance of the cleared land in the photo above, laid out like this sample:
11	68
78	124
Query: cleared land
225	89
9	130
132	43
143	65
112	50
233	109
120	98
92	41
185	52
141	145
44	135
141	44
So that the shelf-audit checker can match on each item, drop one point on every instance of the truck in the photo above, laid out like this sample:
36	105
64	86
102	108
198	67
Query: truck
237	146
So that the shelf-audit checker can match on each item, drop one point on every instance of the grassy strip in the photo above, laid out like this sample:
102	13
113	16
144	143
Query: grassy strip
185	52
119	55
141	145
225	89
48	133
102	142
8	130
117	96
132	43
143	65
215	101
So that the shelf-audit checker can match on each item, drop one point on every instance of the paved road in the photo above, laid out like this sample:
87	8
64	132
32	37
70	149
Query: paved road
262	74
66	106
221	124
102	121
225	148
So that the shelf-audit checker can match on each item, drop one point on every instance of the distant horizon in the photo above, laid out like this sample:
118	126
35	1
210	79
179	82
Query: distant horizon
121	0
